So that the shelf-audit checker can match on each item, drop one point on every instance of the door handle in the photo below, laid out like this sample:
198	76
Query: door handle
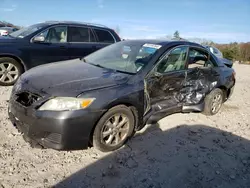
171	89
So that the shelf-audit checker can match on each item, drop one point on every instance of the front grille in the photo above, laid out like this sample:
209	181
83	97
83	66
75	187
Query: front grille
26	98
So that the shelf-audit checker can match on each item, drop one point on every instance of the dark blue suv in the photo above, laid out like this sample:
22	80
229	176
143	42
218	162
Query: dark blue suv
49	42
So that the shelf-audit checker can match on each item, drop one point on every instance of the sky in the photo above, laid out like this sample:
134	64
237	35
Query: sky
221	21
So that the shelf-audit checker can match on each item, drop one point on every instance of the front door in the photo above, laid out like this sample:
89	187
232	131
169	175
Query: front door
53	49
164	84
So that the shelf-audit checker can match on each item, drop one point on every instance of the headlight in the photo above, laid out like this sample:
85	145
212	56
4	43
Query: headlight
66	103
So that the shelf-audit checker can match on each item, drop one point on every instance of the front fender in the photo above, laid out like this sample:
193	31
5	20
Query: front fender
125	94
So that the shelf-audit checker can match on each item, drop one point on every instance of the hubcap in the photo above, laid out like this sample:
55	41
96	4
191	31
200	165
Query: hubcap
216	103
8	72
115	130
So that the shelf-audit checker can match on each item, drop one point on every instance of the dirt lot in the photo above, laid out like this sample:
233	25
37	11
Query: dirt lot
183	150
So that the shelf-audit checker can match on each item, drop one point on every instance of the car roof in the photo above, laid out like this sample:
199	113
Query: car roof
164	42
76	23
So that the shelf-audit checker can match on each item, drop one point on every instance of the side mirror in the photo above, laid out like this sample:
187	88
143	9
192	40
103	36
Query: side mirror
39	39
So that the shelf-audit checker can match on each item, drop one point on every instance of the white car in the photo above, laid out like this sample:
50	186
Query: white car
215	51
219	55
4	31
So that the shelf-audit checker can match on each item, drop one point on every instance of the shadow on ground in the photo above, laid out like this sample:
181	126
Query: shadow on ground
186	156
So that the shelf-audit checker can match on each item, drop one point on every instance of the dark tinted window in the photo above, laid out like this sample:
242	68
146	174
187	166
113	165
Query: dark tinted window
80	34
104	36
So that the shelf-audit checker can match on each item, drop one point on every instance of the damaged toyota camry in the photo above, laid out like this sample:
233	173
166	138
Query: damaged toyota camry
103	99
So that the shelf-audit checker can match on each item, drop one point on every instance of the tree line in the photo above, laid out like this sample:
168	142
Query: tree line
233	51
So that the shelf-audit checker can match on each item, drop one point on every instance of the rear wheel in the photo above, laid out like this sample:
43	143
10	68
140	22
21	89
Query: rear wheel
213	102
10	70
113	129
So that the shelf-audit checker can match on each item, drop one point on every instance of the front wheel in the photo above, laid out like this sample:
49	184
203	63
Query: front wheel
113	129
213	102
10	70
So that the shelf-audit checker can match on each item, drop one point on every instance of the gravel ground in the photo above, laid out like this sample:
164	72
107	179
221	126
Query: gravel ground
182	150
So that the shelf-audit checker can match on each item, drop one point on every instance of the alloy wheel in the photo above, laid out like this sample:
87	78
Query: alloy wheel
8	72
216	103
115	130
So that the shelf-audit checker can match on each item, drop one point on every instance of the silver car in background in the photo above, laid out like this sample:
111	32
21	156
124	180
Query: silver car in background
5	31
215	51
219	55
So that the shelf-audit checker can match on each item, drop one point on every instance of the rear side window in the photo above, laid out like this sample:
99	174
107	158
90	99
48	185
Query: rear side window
199	59
80	34
104	36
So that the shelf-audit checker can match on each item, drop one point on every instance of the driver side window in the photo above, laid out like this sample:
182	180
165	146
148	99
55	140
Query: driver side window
55	34
174	61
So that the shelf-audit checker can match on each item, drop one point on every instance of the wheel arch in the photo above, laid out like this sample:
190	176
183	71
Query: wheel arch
127	104
19	60
225	91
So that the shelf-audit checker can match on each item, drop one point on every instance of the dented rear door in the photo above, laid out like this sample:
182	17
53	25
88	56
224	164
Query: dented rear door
202	76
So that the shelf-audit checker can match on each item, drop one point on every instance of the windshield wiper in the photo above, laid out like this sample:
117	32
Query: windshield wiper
125	72
100	66
97	65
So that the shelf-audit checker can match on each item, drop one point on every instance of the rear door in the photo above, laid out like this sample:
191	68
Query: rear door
104	38
202	75
81	41
164	84
53	49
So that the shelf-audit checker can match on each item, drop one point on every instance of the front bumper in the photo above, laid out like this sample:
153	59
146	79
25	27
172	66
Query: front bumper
68	130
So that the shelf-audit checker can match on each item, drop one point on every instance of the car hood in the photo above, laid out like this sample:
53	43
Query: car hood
68	78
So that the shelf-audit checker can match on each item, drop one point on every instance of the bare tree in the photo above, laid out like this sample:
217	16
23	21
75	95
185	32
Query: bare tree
176	34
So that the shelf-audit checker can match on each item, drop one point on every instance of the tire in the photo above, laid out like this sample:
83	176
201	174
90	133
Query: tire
14	67
215	96
107	124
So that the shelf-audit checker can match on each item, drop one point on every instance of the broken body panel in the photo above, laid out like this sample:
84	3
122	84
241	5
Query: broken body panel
184	90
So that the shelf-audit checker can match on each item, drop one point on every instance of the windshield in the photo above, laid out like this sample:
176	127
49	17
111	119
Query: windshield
125	56
26	31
